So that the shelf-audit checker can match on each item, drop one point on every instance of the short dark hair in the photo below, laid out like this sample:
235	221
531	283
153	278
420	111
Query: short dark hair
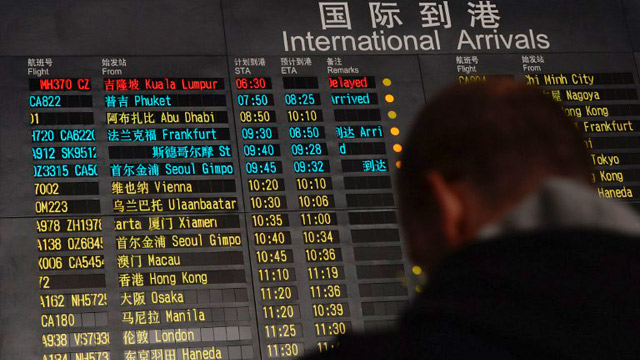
502	136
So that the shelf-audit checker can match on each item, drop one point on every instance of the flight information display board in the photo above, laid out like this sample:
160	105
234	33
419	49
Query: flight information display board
215	179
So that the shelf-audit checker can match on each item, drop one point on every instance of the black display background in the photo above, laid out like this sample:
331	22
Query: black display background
201	38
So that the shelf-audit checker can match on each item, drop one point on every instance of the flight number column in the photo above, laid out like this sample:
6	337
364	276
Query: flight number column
268	221
70	243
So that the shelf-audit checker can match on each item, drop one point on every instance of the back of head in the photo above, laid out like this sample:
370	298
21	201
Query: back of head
502	138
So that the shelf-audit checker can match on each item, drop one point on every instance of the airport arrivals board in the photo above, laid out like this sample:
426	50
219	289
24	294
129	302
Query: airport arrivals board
215	179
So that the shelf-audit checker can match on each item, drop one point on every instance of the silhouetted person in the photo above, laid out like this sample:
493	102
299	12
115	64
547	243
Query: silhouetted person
524	259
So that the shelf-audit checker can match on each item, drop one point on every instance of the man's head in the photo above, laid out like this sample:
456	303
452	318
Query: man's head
473	153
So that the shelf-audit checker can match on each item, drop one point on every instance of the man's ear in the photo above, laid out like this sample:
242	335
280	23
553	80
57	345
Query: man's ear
450	206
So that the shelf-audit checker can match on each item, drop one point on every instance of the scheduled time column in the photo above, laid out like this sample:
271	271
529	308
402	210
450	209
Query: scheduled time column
268	221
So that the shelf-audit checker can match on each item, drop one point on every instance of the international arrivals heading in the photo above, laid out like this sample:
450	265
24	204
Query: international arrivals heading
481	30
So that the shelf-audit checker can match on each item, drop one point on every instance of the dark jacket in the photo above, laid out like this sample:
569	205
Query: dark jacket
553	294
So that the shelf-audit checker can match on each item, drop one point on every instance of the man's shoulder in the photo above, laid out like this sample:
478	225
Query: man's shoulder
501	299
562	243
435	340
379	345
